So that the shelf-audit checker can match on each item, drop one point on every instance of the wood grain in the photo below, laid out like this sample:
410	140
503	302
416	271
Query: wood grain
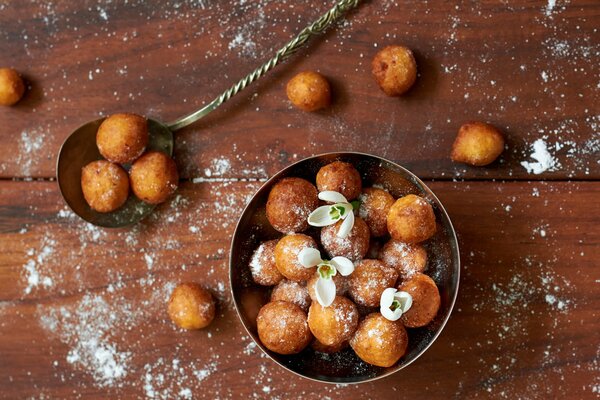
525	326
526	66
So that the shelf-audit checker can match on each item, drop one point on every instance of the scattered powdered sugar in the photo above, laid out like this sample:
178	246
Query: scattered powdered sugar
31	147
544	161
34	267
166	380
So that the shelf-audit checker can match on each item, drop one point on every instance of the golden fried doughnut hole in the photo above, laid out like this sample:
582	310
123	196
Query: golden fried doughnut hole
411	219
262	264
379	341
354	246
290	202
369	279
105	185
191	306
335	324
292	292
154	177
283	327
426	301
122	138
477	143
12	87
286	257
375	205
341	285
323	348
395	70
309	91
407	259
340	177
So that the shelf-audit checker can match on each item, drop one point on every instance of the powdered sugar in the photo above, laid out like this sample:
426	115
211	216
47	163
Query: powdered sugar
544	161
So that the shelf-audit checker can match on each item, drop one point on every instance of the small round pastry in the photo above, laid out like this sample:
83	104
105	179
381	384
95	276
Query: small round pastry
375	205
335	324
340	177
286	257
105	185
290	202
191	306
12	87
411	219
283	327
425	301
154	177
354	246
407	259
341	285
379	341
309	91
478	144
323	348
262	264
369	279
122	138
395	70
293	292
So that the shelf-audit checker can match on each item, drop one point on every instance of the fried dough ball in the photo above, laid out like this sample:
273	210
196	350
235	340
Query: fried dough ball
411	219
407	259
425	301
309	91
293	292
369	279
105	185
286	257
262	264
354	246
290	202
323	348
341	285
335	324
154	177
477	143
12	87
375	205
379	341
191	306
340	177
395	70
283	327
122	138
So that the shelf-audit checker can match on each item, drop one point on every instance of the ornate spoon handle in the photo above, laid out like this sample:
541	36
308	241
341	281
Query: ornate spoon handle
290	48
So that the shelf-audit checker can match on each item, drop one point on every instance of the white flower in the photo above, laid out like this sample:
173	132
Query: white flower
325	286
330	214
394	303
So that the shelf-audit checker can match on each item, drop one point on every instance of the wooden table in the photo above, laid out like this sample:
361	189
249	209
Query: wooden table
82	309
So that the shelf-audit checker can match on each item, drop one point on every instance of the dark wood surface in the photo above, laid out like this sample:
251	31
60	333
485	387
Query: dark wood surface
82	309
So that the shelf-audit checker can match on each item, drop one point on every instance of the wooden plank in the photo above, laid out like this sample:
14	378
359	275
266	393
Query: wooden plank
78	303
531	68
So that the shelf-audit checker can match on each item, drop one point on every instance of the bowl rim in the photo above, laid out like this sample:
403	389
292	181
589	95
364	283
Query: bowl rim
453	238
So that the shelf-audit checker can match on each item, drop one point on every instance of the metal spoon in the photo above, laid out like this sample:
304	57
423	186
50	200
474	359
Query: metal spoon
80	147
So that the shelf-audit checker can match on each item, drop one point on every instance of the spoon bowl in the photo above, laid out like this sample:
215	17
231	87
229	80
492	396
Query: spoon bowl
79	150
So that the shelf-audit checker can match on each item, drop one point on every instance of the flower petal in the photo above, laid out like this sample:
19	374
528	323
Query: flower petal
343	265
387	297
348	208
346	226
325	291
321	217
332	197
405	300
309	257
389	314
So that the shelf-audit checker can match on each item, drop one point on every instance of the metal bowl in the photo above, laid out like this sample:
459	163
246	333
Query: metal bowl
343	367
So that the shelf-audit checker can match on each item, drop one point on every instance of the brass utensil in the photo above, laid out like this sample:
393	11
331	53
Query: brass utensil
80	147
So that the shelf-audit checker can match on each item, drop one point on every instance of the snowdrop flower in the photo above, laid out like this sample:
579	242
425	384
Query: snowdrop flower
342	209
394	303
325	286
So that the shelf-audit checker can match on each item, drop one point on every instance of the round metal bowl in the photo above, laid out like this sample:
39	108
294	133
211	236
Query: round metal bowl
343	367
